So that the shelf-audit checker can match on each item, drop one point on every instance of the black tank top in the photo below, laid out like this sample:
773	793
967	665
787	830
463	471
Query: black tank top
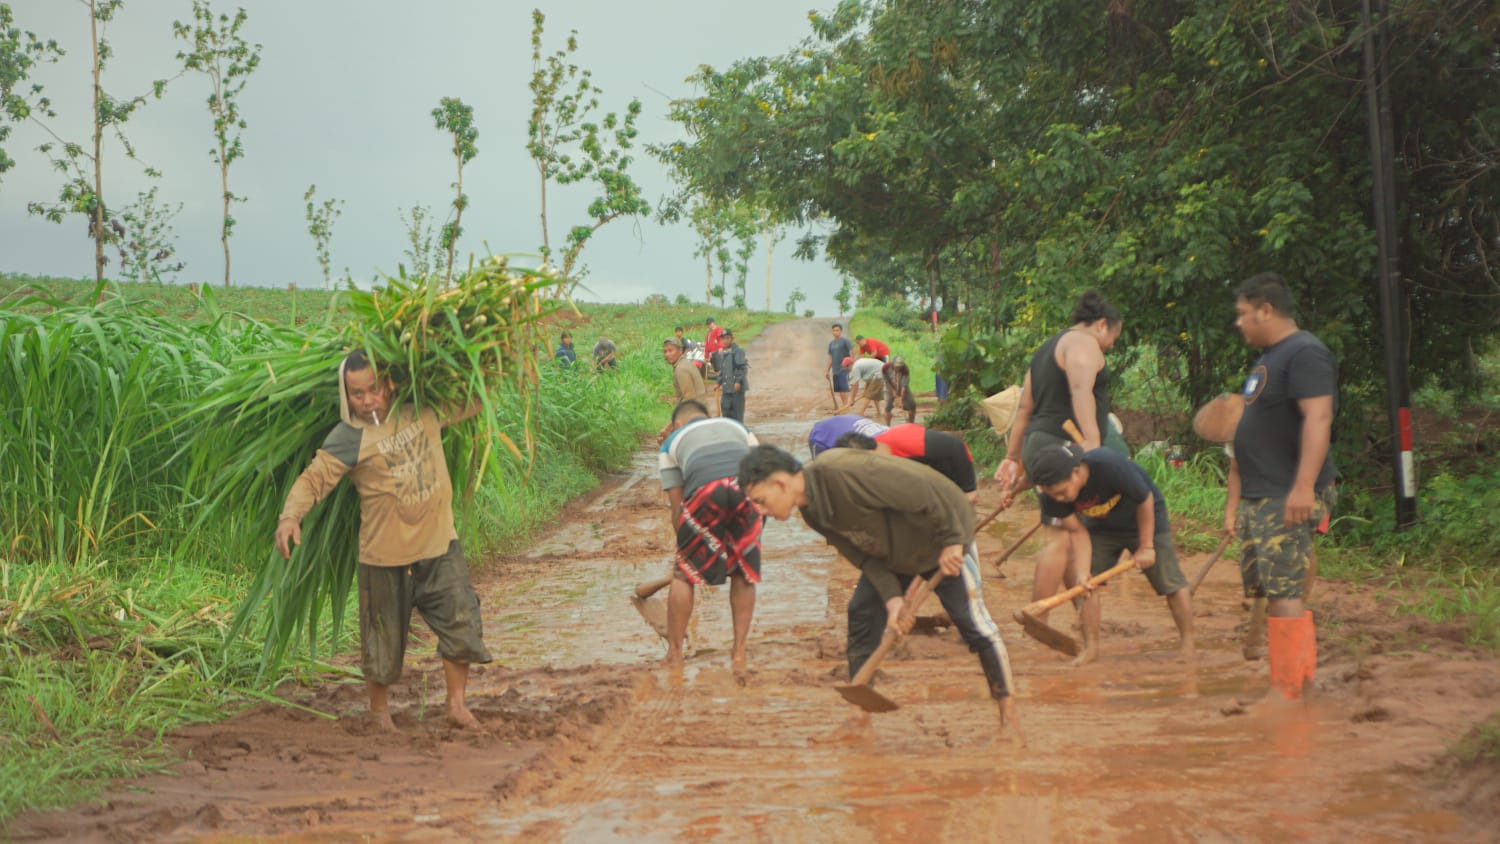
1051	401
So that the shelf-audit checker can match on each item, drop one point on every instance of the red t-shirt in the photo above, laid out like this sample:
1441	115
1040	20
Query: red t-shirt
874	348
712	343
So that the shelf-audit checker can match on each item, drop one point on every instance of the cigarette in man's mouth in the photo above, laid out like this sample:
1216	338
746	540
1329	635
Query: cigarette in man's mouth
376	416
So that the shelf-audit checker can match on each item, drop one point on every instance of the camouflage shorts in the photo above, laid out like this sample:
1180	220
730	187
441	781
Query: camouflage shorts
1273	557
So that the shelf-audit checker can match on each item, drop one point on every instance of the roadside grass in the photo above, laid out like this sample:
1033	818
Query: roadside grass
919	349
1480	745
114	614
98	659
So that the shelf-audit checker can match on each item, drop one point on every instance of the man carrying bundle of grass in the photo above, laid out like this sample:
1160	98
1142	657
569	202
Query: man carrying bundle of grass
409	554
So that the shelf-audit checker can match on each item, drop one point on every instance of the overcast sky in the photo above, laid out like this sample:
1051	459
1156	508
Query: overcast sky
343	99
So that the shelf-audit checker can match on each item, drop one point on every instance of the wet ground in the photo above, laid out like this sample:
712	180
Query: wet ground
591	741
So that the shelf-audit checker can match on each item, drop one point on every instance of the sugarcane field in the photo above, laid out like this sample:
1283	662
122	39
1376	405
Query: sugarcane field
1106	451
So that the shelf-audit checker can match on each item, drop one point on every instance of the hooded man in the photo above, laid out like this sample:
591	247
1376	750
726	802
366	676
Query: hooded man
409	554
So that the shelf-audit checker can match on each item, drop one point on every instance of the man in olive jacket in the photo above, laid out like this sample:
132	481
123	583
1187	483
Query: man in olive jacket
894	520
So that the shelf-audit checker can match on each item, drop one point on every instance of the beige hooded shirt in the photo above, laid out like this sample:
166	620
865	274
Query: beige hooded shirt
398	467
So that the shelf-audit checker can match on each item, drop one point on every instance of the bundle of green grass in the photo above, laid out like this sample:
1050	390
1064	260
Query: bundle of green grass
474	340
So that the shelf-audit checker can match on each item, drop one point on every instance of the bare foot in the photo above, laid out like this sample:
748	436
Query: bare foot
1085	656
1187	651
741	670
1010	723
460	717
382	721
852	731
1253	652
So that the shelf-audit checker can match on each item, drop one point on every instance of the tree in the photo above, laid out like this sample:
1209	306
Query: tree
845	295
457	119
146	242
83	192
320	220
1008	154
20	51
569	147
797	298
422	252
221	54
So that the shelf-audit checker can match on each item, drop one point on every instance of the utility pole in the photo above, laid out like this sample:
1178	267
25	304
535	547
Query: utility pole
1393	320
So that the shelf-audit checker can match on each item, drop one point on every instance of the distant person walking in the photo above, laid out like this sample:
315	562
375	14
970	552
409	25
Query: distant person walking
839	348
1281	475
734	371
687	381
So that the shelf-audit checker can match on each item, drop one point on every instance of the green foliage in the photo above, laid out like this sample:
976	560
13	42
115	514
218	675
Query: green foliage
83	191
457	119
20	52
796	298
1008	155
320	220
421	253
220	53
570	147
148	245
845	295
1480	745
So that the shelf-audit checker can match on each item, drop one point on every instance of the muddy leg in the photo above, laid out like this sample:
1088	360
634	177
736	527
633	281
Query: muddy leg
1010	722
1050	565
380	706
856	728
456	676
741	609
1181	605
679	610
1090	610
1255	636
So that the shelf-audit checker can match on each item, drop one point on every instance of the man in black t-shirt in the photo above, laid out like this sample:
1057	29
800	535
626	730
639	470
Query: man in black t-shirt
1108	505
1280	477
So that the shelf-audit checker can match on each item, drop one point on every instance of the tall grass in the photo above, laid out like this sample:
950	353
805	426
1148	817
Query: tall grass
120	573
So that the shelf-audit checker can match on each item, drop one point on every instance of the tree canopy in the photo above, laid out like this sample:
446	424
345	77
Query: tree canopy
1012	153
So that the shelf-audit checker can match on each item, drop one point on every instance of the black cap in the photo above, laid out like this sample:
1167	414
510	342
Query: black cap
1054	464
728	332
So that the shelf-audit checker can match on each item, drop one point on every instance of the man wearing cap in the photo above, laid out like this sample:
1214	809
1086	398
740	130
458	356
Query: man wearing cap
1107	504
897	376
839	350
733	381
687	381
865	377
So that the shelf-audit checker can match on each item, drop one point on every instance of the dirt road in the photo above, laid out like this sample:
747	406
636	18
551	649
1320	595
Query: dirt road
592	741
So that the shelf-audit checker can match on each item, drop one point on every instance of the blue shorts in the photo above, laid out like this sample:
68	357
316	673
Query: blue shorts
841	381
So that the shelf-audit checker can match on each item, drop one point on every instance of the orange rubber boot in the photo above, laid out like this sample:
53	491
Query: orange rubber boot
1309	649
1285	647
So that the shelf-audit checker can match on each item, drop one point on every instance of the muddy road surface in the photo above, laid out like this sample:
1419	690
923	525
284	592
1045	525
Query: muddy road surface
590	740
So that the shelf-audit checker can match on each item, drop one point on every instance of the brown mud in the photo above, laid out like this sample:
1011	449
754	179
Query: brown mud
590	740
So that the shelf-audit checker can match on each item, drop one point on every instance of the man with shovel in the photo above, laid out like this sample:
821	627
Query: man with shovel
896	521
1108	505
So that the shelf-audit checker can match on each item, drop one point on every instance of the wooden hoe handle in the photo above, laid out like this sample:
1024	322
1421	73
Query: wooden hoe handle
1067	595
889	638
